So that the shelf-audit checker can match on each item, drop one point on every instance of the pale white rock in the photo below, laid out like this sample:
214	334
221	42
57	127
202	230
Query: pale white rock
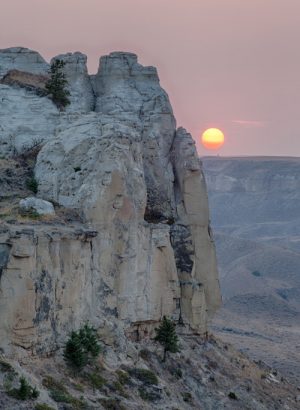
40	206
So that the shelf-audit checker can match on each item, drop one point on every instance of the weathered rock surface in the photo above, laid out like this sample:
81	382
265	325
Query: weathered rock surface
25	117
24	59
138	183
46	286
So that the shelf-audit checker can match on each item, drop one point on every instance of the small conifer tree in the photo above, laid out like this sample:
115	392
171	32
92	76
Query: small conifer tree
87	335
74	354
56	86
81	347
25	389
167	337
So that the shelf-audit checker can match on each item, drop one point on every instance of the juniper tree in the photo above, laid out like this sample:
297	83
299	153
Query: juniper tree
56	85
167	337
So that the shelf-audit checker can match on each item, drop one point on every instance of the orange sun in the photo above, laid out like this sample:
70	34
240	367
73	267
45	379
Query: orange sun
213	138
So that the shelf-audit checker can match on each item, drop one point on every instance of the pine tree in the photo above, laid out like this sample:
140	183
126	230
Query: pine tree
167	337
56	86
81	347
74	353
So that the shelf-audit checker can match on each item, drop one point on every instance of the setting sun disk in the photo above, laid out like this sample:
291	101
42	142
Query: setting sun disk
213	138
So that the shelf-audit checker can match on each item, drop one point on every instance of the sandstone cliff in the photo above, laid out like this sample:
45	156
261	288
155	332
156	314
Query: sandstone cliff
143	247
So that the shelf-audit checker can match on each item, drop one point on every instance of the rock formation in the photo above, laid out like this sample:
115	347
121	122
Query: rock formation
143	248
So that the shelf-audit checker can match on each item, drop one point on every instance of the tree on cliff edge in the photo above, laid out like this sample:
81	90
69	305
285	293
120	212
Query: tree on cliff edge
56	85
167	337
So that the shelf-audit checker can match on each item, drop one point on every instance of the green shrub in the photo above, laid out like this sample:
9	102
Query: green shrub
147	394
123	377
30	213
116	386
187	397
43	406
144	375
6	367
145	354
78	404
60	396
56	86
232	395
96	380
81	347
32	184
79	387
112	404
167	337
8	380
256	273
57	390
176	372
24	392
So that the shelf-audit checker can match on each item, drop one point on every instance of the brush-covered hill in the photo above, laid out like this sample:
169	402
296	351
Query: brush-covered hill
255	214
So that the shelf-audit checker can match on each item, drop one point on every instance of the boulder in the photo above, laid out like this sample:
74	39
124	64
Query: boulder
39	206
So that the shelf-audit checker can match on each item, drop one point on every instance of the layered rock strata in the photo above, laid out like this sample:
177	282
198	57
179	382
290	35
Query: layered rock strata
116	158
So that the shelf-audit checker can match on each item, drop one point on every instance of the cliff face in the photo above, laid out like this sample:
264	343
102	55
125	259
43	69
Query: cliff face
115	157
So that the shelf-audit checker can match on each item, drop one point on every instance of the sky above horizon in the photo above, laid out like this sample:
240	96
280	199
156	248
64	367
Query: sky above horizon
230	64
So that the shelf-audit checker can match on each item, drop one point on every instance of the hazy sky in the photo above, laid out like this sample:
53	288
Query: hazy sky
232	64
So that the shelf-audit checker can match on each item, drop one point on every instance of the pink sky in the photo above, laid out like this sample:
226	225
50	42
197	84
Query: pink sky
232	64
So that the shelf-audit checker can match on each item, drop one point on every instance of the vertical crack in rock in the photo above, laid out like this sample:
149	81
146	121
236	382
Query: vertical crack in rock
43	288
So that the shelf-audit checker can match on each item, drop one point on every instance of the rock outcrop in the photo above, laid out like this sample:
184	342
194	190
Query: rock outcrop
116	158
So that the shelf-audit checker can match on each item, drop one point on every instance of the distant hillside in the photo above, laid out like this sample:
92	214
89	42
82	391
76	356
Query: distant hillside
253	189
255	213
